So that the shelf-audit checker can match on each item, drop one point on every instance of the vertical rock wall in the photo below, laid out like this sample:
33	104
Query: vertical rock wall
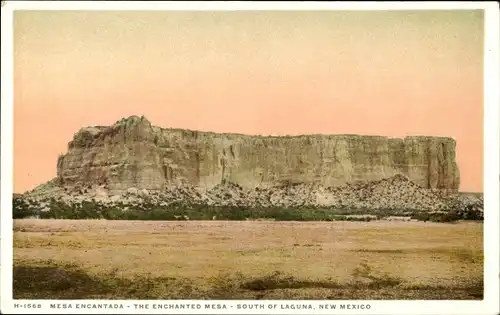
132	153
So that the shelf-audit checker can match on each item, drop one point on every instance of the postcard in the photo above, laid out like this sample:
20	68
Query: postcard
250	157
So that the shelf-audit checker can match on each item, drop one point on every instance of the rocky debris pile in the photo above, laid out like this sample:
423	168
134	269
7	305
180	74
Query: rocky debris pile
467	203
395	193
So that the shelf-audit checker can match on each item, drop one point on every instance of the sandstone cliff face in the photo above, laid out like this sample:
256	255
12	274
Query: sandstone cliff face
134	154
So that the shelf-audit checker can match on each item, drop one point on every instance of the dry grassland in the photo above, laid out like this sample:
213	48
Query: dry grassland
98	259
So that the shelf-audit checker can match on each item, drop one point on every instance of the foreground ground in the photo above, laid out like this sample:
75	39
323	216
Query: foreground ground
98	259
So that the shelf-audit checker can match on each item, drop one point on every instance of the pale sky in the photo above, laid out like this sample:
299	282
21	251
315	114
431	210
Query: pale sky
375	73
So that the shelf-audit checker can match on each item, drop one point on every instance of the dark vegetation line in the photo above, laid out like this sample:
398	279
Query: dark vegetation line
94	210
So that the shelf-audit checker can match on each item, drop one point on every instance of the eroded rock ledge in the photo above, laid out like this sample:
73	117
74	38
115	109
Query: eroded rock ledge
134	154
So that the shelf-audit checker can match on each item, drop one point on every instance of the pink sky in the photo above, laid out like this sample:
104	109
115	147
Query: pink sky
374	73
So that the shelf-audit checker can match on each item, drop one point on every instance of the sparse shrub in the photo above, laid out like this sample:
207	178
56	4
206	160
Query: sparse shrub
421	216
364	277
451	216
150	211
20	209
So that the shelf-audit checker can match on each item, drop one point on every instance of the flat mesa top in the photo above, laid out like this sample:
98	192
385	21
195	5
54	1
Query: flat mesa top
134	119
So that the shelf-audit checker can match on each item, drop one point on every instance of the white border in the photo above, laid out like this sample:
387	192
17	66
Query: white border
489	305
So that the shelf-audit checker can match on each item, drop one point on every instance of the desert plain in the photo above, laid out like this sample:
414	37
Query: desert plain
101	259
